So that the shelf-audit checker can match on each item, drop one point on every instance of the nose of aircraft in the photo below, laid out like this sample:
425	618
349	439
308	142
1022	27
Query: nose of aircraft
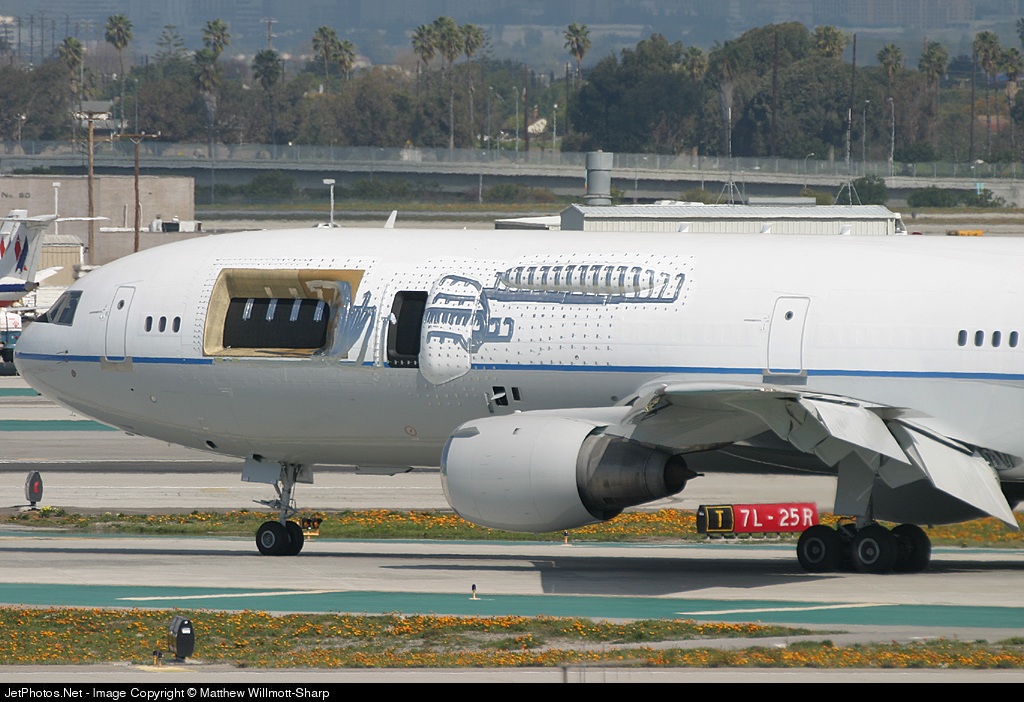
50	338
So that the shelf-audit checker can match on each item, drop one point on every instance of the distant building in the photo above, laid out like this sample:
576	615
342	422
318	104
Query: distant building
691	218
113	199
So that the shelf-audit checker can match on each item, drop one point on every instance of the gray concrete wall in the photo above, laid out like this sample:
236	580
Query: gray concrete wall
113	198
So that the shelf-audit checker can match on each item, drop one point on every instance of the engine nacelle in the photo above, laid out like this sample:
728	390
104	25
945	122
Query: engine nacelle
537	472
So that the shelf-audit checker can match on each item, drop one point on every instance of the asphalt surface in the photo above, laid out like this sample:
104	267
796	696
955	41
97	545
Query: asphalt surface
967	594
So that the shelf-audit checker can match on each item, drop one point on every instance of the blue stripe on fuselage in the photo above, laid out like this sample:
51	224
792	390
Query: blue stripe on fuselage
649	370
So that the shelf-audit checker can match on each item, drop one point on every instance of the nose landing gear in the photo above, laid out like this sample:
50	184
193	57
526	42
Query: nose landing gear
282	537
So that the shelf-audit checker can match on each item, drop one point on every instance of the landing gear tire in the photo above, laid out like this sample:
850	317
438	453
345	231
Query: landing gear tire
914	549
819	549
272	539
875	550
295	539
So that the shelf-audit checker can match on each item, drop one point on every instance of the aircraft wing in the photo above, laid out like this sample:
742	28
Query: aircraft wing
47	272
882	459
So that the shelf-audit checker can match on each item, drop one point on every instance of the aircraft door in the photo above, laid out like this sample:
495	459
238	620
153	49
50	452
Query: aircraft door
117	323
452	313
786	336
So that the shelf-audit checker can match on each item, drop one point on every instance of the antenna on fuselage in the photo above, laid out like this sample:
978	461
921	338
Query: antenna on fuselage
390	224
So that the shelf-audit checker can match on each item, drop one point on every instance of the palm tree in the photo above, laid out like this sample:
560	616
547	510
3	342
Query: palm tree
119	35
891	59
216	36
267	69
1013	67
326	45
829	41
450	43
724	66
472	39
694	63
986	48
424	46
577	41
933	63
345	56
72	53
208	79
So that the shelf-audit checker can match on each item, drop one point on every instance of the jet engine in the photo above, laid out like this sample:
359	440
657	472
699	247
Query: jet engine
544	472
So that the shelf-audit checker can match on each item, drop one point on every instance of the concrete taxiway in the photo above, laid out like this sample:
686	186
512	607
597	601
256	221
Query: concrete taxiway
967	594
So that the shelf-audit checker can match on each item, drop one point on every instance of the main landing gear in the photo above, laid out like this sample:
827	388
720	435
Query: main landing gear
868	549
282	537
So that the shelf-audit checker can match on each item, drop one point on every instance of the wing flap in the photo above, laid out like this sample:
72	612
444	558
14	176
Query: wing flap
869	448
967	477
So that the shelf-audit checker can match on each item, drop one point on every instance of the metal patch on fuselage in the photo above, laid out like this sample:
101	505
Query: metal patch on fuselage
463	313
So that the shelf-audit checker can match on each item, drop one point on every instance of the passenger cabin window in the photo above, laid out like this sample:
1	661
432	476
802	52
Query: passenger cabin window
270	323
63	310
404	328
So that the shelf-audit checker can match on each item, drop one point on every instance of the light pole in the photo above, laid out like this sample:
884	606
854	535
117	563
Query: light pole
636	179
805	168
864	134
56	206
554	127
330	182
517	120
892	135
490	96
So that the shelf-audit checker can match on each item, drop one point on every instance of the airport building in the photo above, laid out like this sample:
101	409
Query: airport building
169	199
697	218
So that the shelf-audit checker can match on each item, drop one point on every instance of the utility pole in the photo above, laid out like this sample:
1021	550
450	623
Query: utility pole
91	117
136	139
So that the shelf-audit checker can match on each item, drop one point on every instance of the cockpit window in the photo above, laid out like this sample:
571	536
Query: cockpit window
63	310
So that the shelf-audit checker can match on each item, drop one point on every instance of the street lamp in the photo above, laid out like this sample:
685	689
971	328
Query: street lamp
892	135
636	178
864	133
56	206
330	182
490	96
805	168
554	127
518	98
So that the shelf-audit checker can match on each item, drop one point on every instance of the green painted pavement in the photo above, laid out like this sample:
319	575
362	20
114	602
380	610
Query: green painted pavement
53	425
595	607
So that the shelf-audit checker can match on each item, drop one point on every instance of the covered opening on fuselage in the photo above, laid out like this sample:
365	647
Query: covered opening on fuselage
405	328
257	312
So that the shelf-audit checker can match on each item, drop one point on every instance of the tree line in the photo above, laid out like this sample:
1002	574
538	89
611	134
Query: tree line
781	90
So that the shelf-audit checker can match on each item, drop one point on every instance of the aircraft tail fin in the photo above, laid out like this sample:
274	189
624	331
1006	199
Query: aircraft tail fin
21	239
21	246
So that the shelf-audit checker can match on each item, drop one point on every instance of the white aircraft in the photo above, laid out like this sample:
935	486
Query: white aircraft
559	378
21	244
